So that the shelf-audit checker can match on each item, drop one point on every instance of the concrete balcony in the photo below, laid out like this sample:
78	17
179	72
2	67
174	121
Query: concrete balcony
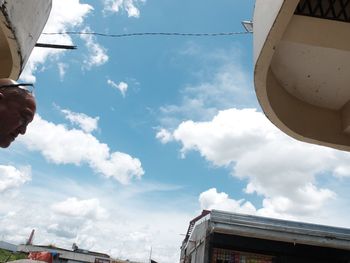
21	23
302	68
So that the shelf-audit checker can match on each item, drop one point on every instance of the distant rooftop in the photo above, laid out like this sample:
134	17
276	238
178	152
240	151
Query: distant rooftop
8	246
81	251
77	255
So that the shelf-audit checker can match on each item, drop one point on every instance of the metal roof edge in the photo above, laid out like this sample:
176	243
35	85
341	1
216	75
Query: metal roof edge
279	230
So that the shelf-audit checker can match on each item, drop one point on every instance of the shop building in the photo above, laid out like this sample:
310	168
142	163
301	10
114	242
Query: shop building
222	237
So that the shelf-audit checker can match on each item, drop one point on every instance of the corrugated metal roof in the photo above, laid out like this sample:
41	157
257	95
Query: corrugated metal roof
279	230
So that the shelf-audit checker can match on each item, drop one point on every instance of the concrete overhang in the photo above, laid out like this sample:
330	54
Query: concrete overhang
302	68
21	23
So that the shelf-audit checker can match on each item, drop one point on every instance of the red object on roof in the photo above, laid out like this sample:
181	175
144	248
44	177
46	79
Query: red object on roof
41	256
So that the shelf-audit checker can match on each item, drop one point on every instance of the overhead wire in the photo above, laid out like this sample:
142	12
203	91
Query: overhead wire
148	34
132	35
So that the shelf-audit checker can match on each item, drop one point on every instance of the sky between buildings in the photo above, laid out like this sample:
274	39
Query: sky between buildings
135	136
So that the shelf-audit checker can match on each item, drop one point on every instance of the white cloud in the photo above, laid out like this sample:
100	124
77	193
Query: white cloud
277	207
11	177
85	122
62	230
73	207
164	136
277	167
281	170
122	86
211	199
65	15
72	146
130	6
97	54
62	68
221	84
244	130
82	219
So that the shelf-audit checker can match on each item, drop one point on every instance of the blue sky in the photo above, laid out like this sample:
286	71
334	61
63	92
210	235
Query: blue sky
135	136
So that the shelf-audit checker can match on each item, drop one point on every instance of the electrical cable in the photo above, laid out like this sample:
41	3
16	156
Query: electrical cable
132	35
149	34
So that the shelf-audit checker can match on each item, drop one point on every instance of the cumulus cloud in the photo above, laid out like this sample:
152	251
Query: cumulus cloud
275	166
73	207
244	130
122	86
281	170
11	177
65	15
212	199
276	207
72	146
82	219
85	122
130	6
97	55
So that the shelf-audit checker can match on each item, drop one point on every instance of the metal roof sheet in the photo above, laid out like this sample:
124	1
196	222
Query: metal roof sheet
279	230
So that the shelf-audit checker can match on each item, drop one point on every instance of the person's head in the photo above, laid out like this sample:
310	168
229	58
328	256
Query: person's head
17	109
